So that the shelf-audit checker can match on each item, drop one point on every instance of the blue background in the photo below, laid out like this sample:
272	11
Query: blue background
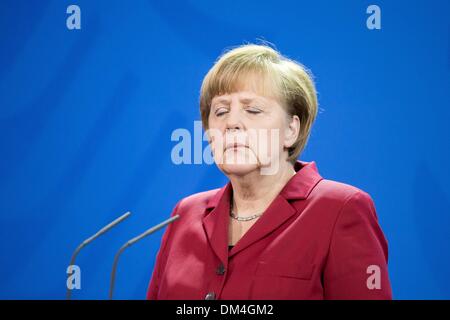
86	118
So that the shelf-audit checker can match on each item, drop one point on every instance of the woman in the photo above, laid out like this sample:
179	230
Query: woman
277	230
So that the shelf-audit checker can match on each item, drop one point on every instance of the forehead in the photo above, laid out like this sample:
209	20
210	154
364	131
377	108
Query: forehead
246	87
242	96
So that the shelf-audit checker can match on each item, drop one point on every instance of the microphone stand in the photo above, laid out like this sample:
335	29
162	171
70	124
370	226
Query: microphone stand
130	243
92	238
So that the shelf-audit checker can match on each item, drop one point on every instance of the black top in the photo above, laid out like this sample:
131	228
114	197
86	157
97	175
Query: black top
229	247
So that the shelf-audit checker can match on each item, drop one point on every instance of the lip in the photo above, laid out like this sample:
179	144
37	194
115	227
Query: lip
235	146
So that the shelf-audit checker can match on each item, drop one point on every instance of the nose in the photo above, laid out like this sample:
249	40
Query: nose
234	120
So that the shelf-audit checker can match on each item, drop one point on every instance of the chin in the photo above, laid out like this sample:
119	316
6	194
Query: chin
238	169
240	161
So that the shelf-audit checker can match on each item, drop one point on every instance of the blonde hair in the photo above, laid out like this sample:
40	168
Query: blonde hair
293	83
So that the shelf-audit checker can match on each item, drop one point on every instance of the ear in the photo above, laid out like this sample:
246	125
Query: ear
292	131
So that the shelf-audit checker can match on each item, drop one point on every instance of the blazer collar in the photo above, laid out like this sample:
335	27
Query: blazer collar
215	222
298	187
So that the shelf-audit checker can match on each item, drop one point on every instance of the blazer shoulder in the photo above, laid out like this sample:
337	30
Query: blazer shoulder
347	201
340	191
197	201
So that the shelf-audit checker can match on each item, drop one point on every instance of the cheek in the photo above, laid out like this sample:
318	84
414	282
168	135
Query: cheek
265	144
267	139
217	143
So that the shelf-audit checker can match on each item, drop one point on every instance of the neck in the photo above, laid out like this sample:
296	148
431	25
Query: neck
253	192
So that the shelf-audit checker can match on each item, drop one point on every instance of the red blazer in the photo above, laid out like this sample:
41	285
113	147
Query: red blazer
319	239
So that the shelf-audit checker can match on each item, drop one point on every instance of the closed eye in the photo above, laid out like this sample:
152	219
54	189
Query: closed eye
253	110
220	111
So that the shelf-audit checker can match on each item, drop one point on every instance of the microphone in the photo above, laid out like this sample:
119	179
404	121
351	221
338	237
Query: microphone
92	238
130	243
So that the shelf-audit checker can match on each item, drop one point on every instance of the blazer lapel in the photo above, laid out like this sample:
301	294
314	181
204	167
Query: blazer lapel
216	221
276	214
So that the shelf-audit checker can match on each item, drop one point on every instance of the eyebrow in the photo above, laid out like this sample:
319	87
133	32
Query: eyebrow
221	100
246	100
227	100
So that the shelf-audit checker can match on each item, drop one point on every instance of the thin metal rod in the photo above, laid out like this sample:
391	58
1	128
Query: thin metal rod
130	243
92	238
